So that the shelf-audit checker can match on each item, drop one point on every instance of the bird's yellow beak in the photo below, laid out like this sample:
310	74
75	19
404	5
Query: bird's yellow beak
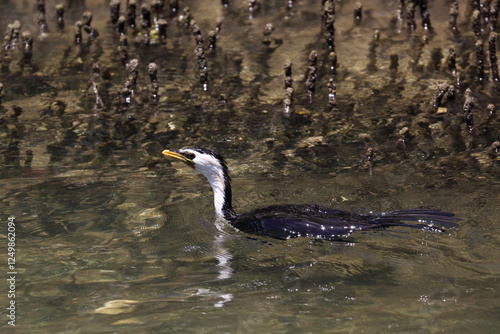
178	156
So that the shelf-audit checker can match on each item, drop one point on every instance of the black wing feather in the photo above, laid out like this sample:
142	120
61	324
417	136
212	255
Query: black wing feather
314	221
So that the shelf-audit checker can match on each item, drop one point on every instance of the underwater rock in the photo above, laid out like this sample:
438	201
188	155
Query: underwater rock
199	52
468	114
162	29
287	101
332	92
87	25
441	89
29	158
114	9
11	38
329	24
358	12
41	17
453	16
410	16
78	32
494	15
123	49
117	306
312	74
174	7
131	13
480	60
493	56
121	24
27	41
153	75
332	58
60	17
494	150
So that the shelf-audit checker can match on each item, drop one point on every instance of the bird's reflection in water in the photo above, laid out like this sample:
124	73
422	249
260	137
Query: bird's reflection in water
223	257
222	254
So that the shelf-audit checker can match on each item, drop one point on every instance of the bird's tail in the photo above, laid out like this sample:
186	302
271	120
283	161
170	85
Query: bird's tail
434	220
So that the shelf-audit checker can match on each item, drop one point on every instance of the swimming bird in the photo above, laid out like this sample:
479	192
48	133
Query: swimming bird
300	220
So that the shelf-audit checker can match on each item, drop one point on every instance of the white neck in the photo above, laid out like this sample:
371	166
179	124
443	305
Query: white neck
216	178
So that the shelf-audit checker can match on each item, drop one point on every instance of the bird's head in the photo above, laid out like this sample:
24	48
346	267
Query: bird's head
214	168
201	159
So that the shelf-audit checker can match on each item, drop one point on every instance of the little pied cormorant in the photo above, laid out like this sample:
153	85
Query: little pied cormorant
299	220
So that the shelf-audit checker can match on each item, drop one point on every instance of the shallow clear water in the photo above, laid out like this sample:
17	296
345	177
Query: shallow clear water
127	242
153	242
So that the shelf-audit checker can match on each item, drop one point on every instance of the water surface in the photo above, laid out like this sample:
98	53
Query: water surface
113	237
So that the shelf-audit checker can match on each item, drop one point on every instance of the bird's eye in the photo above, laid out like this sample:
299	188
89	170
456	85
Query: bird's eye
190	156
